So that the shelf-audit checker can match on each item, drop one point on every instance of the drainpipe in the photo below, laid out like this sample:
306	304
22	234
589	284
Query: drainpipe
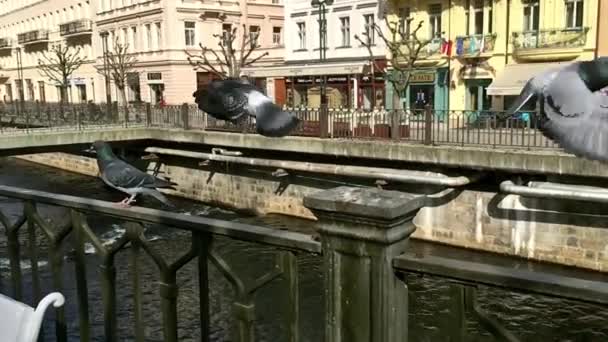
507	35
598	29
396	175
556	191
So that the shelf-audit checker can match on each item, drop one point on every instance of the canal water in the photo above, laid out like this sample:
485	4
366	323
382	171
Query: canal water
531	317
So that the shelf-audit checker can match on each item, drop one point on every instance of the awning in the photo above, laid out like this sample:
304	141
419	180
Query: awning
514	77
306	70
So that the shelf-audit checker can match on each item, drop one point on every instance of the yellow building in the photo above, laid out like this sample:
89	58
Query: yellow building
496	46
602	37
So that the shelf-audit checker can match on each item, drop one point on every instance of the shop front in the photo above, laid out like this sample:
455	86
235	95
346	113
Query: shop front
426	87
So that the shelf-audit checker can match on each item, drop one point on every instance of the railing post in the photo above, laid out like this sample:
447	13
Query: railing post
428	125
185	116
148	114
362	230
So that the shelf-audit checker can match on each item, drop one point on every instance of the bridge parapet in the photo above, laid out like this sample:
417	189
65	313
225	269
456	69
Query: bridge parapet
365	248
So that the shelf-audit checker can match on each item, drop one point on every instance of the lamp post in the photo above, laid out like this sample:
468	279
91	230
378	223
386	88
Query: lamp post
321	4
104	40
21	82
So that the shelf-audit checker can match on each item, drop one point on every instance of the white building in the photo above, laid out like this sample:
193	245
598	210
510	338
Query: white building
347	62
158	33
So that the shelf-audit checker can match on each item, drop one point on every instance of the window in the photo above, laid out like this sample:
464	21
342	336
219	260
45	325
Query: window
125	37
478	16
149	36
531	15
226	31
574	13
302	35
276	2
159	36
435	20
30	90
134	38
189	27
41	91
276	35
404	25
345	29
254	35
9	93
369	29
82	93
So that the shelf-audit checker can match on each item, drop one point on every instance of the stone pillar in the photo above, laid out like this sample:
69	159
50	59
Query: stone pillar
362	230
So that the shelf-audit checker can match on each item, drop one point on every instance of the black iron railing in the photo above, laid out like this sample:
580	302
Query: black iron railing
365	254
432	127
33	36
76	27
6	43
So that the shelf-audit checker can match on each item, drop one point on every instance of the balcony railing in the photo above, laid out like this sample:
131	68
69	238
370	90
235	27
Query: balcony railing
550	39
33	36
76	27
6	43
432	48
475	44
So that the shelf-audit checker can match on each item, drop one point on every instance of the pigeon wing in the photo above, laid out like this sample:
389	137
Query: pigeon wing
124	175
270	120
581	131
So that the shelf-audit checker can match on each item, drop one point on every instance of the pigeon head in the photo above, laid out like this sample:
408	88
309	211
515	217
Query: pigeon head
533	90
103	149
594	73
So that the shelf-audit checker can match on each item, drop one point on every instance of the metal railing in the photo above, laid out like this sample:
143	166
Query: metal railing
46	240
550	38
431	127
6	43
33	36
64	244
76	27
475	44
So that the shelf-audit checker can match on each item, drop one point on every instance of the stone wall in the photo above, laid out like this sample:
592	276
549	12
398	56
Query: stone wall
473	218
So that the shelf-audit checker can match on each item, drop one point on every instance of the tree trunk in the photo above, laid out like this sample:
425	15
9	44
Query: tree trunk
123	95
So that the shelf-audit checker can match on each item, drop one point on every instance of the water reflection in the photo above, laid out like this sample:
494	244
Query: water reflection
530	317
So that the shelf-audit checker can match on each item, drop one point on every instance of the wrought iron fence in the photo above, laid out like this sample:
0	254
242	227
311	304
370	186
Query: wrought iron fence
432	127
32	237
47	241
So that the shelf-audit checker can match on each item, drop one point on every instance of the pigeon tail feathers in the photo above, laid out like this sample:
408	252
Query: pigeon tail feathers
273	122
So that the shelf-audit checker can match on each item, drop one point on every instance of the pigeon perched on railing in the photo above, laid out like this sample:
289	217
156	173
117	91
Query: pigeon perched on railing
234	100
573	106
126	178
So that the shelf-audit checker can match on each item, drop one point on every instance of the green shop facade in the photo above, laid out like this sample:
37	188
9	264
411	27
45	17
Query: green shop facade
427	86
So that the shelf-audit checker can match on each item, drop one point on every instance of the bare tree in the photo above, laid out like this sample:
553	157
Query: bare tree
120	63
58	64
404	49
227	61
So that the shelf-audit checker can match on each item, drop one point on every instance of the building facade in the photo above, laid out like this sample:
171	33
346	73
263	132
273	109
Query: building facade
351	82
602	36
28	30
494	47
157	33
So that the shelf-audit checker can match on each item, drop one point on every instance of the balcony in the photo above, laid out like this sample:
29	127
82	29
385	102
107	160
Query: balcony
550	44
31	37
475	45
76	28
430	55
6	43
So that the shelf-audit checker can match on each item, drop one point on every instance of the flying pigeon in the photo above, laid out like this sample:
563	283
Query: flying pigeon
233	100
126	178
573	106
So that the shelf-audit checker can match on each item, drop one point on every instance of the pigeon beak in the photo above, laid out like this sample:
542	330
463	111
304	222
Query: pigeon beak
524	97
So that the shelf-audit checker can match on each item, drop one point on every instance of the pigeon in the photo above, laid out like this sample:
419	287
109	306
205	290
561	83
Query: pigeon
126	178
234	100
573	106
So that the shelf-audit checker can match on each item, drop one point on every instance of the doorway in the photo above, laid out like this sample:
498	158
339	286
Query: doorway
421	95
157	92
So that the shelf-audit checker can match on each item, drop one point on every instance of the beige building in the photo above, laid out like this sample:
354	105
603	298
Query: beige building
602	36
158	33
28	29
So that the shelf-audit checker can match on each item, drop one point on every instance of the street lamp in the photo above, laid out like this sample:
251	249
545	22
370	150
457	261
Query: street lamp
321	4
20	76
104	40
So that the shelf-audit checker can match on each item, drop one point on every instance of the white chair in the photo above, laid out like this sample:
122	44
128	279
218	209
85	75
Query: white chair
19	322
